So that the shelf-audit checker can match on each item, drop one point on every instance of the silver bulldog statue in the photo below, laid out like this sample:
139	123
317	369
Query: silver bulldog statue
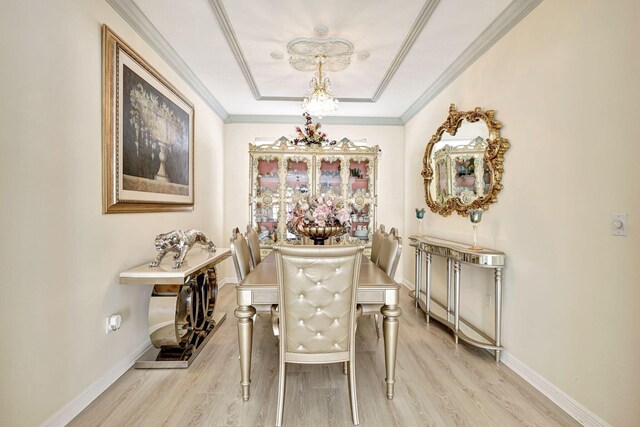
180	242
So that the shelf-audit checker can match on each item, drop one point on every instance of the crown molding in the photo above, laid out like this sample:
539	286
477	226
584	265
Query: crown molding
415	30
131	13
330	120
227	29
500	26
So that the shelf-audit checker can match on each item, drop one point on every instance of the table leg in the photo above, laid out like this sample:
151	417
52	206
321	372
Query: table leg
428	290
456	297
418	275
498	320
390	326
245	314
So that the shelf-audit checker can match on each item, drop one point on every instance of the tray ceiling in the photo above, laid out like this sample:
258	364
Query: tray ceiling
223	48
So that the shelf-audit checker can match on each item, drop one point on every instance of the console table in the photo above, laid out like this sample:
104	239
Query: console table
449	314
181	308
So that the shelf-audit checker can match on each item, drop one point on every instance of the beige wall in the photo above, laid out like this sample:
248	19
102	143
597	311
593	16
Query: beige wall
565	84
61	256
390	177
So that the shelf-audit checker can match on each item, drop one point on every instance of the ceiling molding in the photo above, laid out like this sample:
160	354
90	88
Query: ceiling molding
300	98
225	25
415	30
330	120
131	13
407	44
500	26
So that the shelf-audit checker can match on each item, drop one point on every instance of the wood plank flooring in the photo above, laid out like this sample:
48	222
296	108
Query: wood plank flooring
438	384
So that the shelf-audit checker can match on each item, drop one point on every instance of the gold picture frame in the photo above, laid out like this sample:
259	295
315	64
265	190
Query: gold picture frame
147	135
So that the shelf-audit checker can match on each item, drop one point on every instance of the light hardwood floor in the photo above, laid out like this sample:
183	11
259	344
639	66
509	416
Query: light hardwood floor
438	384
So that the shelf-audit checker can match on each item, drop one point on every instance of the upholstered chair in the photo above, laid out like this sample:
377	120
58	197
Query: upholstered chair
254	245
378	235
388	258
240	254
317	286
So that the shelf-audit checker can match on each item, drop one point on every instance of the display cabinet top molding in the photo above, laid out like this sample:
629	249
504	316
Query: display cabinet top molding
460	251
165	274
344	146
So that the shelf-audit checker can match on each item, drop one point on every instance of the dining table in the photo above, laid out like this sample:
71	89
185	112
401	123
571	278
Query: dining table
260	289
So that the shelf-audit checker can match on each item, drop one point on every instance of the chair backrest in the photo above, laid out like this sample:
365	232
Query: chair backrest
389	254
240	254
375	243
254	246
317	287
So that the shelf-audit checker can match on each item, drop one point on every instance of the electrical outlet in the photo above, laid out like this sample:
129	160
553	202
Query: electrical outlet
487	300
113	323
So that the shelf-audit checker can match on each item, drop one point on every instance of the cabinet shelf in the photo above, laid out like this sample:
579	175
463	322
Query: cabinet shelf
305	172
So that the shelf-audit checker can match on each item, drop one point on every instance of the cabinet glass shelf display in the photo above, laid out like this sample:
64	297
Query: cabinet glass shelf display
282	174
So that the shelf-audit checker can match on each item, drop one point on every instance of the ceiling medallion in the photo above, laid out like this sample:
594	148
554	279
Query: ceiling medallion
328	54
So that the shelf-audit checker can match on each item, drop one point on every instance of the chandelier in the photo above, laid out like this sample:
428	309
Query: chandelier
318	53
320	100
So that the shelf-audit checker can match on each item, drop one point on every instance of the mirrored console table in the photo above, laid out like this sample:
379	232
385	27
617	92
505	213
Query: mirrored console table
181	308
449	314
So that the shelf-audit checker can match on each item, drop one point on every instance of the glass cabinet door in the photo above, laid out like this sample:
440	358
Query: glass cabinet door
360	198
329	175
266	195
297	187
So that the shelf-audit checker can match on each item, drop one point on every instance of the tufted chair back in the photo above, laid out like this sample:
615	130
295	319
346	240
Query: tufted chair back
317	287
375	243
240	254
254	245
389	254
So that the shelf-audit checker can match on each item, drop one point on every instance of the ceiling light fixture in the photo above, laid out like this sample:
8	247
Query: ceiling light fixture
320	53
320	100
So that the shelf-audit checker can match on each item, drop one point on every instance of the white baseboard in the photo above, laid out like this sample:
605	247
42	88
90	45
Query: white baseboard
226	281
568	404
408	284
68	412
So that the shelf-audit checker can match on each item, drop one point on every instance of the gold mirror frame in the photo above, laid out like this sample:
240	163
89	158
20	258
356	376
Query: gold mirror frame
493	159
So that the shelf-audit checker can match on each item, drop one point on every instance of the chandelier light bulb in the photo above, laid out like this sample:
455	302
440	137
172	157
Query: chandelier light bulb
320	101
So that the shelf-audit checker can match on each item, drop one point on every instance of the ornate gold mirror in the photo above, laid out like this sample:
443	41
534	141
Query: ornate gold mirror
462	166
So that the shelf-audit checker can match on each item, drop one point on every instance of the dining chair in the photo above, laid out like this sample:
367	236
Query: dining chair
254	245
317	287
388	258
240	254
378	235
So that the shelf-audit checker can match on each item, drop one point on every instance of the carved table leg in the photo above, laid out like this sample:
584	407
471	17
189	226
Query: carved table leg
245	314
390	326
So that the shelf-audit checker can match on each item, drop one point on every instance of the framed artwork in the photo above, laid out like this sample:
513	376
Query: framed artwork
147	136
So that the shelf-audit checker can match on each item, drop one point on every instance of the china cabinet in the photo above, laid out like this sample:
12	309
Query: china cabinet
283	173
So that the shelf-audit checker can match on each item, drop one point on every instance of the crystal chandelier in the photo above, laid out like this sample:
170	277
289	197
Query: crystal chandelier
320	100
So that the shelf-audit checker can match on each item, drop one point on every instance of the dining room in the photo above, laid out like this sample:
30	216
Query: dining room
320	213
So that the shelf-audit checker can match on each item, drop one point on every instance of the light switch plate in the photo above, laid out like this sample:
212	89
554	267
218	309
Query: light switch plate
619	224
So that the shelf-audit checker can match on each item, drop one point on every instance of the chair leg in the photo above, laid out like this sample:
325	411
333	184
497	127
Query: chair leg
377	323
353	397
282	372
345	368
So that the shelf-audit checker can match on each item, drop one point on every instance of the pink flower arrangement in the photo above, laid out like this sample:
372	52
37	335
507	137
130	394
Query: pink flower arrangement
311	136
321	210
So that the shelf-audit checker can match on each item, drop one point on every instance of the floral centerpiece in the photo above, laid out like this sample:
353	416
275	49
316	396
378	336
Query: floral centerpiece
312	136
321	217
